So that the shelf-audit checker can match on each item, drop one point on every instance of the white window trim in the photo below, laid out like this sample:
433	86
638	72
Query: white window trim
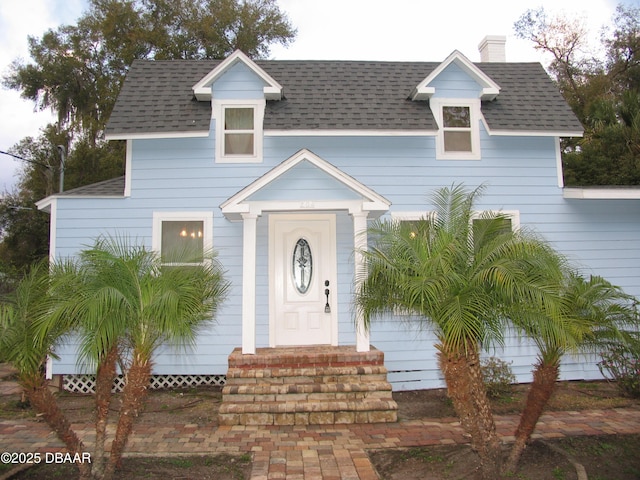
205	217
412	216
436	105
218	110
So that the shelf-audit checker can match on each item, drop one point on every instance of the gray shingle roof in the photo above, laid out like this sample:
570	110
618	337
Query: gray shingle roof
157	98
108	188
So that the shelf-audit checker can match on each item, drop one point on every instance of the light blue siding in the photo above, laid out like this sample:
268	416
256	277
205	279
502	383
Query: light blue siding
238	83
602	236
454	83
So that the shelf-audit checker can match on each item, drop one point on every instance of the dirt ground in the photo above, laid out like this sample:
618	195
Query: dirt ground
605	458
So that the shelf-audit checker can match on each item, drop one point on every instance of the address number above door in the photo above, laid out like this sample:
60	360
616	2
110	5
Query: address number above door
302	265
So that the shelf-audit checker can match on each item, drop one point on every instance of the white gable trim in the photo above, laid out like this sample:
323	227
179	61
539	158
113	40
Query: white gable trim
490	89
202	89
238	204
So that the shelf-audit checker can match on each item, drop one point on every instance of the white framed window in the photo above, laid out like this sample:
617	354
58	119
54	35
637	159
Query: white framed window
182	238
510	220
458	128
411	216
239	130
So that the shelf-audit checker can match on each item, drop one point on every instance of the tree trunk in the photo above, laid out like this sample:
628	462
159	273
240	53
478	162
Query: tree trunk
133	397
491	452
545	377
45	403
104	383
456	375
465	387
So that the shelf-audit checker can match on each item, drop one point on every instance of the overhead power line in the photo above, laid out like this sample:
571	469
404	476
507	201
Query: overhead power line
26	159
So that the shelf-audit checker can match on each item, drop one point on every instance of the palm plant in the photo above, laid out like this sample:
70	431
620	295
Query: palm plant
84	300
460	278
159	305
593	313
26	346
122	304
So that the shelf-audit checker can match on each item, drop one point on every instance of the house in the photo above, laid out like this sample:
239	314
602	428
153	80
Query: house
280	165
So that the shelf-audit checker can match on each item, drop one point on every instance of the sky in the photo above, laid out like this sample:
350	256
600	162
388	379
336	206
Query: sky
410	30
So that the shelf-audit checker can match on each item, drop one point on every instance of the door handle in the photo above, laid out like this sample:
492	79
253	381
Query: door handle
327	307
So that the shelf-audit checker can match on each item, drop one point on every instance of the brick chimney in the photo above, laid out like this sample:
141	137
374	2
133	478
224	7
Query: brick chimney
492	48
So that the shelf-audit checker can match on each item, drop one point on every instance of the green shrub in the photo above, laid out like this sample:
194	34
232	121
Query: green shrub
498	376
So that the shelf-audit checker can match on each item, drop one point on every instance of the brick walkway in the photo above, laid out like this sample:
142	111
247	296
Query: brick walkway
311	452
315	452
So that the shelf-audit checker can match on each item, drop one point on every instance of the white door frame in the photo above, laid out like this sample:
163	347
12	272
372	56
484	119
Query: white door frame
330	266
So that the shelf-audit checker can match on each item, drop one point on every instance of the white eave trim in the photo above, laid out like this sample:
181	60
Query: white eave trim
490	89
350	133
347	133
532	133
45	204
202	89
156	135
602	193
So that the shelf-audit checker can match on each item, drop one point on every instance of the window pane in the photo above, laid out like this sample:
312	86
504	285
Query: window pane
485	229
182	241
238	144
456	117
302	265
457	141
238	119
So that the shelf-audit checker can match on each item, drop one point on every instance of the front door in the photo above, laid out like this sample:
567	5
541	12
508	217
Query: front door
302	259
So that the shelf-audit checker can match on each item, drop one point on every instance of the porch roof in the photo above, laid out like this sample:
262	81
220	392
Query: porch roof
356	196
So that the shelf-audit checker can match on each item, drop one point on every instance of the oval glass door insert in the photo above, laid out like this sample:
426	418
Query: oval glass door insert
302	265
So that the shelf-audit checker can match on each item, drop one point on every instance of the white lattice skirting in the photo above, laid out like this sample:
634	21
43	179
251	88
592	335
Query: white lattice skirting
87	383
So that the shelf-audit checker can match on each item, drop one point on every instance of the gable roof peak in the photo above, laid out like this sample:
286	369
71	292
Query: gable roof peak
234	206
490	89
202	89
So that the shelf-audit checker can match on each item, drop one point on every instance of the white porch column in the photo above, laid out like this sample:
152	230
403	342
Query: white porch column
249	224
360	244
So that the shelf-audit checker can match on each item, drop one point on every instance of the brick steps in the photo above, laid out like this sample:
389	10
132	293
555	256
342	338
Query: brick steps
306	388
307	385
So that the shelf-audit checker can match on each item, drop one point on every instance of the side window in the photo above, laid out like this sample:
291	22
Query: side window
413	221
182	238
484	229
182	241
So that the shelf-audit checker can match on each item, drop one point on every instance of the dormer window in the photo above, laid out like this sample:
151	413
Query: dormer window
238	130
458	128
